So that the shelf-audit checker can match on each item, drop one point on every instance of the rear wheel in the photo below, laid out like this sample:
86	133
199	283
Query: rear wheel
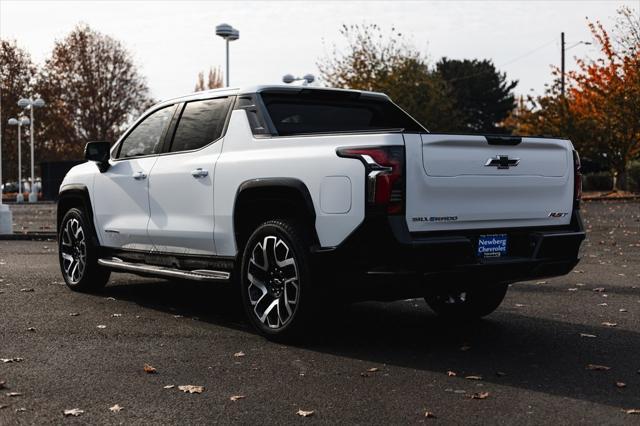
465	304
78	253
276	285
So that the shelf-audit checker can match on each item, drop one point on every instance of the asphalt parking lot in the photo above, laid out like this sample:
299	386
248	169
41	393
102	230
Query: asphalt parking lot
373	363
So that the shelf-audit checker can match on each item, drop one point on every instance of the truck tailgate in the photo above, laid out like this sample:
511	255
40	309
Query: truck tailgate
463	182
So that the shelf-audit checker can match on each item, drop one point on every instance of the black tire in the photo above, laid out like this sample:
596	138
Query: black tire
469	304
77	243
275	280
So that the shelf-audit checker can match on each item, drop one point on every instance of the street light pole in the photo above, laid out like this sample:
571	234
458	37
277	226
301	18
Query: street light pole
227	72
19	122
6	218
31	104
562	64
228	33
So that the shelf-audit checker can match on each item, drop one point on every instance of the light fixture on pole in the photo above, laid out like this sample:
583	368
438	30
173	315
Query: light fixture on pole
19	122
31	104
6	218
228	33
306	80
562	51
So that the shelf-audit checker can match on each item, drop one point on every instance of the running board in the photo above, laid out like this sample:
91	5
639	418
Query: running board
161	271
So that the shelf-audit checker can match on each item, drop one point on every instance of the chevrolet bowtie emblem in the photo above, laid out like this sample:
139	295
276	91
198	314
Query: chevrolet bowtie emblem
502	162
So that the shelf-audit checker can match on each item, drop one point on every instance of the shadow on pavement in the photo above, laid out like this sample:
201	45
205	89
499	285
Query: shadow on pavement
510	349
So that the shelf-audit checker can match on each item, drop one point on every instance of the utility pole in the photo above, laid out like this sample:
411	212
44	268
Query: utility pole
562	64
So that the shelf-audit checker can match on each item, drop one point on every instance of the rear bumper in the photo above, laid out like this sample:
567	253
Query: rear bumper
382	249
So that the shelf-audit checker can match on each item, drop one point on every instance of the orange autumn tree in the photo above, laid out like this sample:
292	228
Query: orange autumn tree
600	112
604	97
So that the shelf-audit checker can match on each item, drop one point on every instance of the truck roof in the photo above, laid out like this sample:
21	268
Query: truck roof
245	90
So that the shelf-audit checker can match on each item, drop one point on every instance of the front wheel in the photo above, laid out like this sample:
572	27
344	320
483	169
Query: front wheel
276	285
78	253
467	304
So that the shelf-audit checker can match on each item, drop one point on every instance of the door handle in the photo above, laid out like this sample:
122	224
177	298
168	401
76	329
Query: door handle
199	173
139	175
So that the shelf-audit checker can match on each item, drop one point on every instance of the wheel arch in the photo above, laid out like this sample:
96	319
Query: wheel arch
70	196
258	200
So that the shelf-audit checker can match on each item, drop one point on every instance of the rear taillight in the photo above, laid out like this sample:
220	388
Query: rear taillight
384	167
577	180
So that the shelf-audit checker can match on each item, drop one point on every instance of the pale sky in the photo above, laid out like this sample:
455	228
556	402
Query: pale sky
171	41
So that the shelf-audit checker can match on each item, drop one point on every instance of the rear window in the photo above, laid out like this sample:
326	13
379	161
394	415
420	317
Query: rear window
201	123
324	111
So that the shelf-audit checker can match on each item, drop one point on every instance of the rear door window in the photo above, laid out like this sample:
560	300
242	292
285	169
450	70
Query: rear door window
201	123
325	111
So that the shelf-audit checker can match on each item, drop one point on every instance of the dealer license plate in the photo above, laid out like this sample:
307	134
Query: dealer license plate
492	245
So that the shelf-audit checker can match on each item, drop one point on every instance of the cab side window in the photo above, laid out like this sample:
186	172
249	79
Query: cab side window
146	138
201	123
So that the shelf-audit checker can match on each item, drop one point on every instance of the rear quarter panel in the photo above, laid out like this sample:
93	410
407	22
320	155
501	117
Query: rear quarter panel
311	159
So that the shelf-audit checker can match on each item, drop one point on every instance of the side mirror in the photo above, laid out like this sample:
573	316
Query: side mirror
98	152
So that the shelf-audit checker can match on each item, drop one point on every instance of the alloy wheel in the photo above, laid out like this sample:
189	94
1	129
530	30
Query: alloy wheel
73	249
273	282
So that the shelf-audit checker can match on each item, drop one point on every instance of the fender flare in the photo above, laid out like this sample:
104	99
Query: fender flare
75	192
276	183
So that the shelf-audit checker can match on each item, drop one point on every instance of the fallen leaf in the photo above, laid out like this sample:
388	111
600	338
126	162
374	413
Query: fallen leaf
20	410
149	369
541	282
191	389
26	290
116	408
373	370
102	326
12	394
599	289
169	386
239	354
572	289
111	298
74	314
479	395
610	324
3	406
632	411
473	377
596	367
303	413
451	373
592	336
623	310
75	412
429	415
519	305
116	315
602	304
621	385
237	397
7	360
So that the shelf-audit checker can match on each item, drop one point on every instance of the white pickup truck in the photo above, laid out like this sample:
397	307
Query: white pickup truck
302	196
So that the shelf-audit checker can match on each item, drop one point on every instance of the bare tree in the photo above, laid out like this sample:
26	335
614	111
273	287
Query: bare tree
93	90
17	73
214	80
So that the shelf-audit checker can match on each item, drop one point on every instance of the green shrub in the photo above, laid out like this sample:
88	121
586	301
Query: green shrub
633	176
601	181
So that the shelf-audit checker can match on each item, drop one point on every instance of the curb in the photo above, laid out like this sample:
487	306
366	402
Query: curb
28	237
625	198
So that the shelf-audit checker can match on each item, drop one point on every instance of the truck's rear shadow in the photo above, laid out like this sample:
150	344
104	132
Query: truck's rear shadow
536	354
